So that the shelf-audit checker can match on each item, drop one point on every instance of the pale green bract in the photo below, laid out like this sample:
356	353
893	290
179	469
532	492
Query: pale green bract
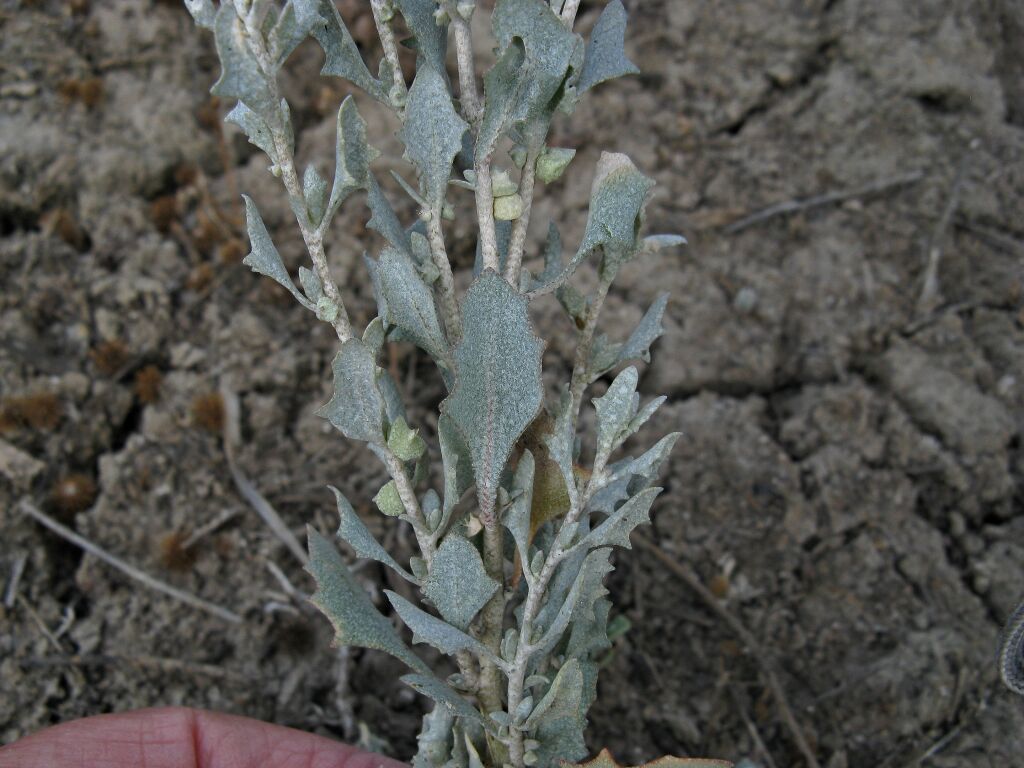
513	508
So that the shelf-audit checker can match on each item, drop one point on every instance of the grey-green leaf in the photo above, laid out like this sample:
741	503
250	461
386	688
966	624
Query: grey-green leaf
614	411
356	534
617	198
203	11
352	155
517	516
264	258
383	218
294	24
457	463
357	408
458	584
430	629
342	53
311	284
629	476
637	346
431	38
615	529
586	589
241	77
560	717
338	595
605	56
255	127
409	304
432	132
498	390
314	190
430	686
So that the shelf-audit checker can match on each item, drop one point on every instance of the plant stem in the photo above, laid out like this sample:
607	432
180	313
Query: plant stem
439	254
569	12
412	506
382	18
468	96
581	368
517	242
485	213
492	618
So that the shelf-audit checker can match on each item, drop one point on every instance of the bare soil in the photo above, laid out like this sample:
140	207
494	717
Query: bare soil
849	481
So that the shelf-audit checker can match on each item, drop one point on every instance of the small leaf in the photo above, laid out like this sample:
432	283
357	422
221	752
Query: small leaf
629	476
637	346
430	686
605	760
553	162
432	132
383	218
430	629
517	516
589	634
457	463
296	21
405	443
338	595
356	534
356	408
458	584
254	127
203	11
409	304
314	190
352	155
311	284
615	530
605	56
373	336
343	59
617	199
241	77
586	589
614	411
498	390
264	258
431	38
508	208
389	501
560	717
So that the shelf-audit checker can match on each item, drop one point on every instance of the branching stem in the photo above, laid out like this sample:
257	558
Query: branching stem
517	242
469	98
382	15
396	469
439	254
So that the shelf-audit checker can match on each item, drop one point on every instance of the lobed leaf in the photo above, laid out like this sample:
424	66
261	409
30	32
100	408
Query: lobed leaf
430	629
458	584
627	477
355	533
338	595
255	128
605	56
498	390
409	304
241	76
432	132
430	686
352	155
587	587
431	38
296	21
615	409
559	719
637	346
617	198
264	257
356	408
342	54
615	529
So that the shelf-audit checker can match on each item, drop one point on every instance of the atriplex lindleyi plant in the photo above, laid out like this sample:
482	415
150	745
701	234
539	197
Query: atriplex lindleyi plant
511	586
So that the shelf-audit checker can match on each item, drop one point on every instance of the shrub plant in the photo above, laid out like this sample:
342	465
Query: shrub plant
514	544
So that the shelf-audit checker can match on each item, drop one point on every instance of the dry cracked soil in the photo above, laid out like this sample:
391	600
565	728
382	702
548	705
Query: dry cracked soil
849	480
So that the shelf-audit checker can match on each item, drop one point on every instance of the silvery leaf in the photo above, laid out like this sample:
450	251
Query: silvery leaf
617	198
587	587
409	304
637	346
430	686
430	629
458	465
557	722
629	476
642	416
383	218
561	443
314	190
311	284
373	337
552	259
255	127
356	534
342	53
404	442
615	409
352	155
296	21
356	408
432	132
605	57
338	595
458	584
203	11
264	258
615	529
241	77
431	38
498	390
518	514
589	634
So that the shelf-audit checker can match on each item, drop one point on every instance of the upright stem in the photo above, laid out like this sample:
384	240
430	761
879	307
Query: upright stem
485	213
581	368
468	95
439	254
412	506
493	617
517	242
569	12
382	15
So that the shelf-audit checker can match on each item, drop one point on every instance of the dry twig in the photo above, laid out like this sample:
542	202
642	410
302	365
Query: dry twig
764	661
131	571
